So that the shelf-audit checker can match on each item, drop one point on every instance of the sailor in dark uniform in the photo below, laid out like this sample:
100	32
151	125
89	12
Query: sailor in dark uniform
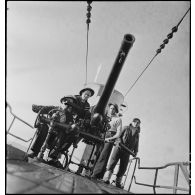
80	107
63	115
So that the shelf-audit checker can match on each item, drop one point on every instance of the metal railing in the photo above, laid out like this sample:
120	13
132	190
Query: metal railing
181	165
12	122
68	156
178	165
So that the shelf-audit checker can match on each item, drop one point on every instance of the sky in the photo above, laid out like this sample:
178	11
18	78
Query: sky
46	48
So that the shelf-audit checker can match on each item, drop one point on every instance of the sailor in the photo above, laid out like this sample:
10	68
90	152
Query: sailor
81	108
130	138
82	102
113	133
63	115
77	104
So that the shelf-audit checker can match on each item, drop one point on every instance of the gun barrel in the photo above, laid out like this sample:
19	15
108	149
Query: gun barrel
127	43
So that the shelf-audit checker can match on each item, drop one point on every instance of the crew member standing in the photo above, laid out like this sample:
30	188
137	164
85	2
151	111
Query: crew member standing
113	133
130	139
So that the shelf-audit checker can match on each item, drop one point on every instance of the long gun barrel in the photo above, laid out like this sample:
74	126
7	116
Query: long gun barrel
127	43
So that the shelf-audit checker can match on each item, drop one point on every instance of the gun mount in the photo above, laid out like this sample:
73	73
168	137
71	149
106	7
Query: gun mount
99	122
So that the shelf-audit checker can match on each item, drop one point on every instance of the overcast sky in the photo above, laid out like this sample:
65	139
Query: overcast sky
46	48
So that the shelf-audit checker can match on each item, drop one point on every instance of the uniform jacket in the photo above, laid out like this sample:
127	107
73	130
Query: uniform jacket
83	112
129	140
63	116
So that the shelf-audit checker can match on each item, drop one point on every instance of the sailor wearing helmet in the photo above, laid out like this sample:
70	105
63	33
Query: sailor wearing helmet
62	114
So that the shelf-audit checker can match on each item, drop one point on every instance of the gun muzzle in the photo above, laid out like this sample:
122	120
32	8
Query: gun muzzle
127	43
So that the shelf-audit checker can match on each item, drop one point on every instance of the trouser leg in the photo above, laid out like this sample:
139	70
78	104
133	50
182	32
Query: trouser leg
118	182
40	138
100	166
107	176
98	149
57	148
68	141
45	144
51	141
124	160
114	159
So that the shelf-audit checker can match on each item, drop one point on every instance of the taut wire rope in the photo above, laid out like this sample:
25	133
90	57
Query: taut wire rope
162	46
87	21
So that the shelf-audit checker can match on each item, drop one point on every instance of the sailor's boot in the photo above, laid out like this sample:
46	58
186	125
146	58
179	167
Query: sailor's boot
107	177
118	182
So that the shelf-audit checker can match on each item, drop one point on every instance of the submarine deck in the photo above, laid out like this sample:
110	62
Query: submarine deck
32	177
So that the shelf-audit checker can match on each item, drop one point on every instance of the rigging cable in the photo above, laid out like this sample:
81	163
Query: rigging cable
162	46
87	21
